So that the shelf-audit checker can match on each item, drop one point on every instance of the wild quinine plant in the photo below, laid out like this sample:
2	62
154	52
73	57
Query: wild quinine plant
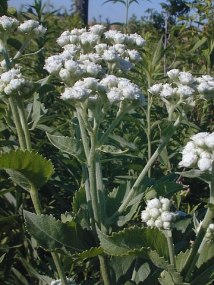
93	69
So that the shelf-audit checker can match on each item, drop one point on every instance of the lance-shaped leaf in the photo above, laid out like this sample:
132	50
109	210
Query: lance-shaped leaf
196	173
52	234
134	240
26	168
67	144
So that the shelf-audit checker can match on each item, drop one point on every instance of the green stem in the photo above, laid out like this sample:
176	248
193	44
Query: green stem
104	268
58	265
35	200
115	122
100	192
23	47
24	123
168	234
195	251
143	173
148	115
83	133
92	181
17	122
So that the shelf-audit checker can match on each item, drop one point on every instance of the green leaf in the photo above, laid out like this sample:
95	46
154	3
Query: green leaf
26	168
181	259
195	173
163	188
69	145
121	267
171	278
92	252
134	240
52	234
206	277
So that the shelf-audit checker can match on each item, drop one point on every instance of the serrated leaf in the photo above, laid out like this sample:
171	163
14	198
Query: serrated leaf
26	168
134	240
171	278
52	234
181	259
68	145
92	252
195	173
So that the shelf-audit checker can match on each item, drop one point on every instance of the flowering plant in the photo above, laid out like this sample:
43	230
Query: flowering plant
93	70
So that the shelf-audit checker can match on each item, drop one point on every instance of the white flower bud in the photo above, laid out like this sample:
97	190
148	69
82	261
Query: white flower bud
199	139
209	140
166	225
8	23
185	91
64	39
166	216
166	204
189	159
173	74
65	75
154	213
211	227
167	91
53	64
154	203
158	223
145	216
204	164
75	93
156	89
186	78
97	29
150	223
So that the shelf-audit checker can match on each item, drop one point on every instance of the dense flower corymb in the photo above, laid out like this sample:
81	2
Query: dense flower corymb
93	54
199	152
157	214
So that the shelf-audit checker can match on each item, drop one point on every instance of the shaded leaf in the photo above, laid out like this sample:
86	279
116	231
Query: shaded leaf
26	168
134	240
52	234
68	145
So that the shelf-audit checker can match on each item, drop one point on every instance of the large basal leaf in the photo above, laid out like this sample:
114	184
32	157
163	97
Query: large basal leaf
68	145
134	240
52	234
26	168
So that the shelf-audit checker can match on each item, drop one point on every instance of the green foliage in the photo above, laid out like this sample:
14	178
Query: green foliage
52	234
26	168
134	241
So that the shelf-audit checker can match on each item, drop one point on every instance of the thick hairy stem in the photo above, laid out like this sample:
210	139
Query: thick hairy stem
104	268
168	234
24	123
148	115
17	122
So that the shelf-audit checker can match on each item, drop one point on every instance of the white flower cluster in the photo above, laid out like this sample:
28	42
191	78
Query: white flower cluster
88	56
184	87
199	152
59	282
13	81
210	233
157	214
114	89
9	24
32	27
